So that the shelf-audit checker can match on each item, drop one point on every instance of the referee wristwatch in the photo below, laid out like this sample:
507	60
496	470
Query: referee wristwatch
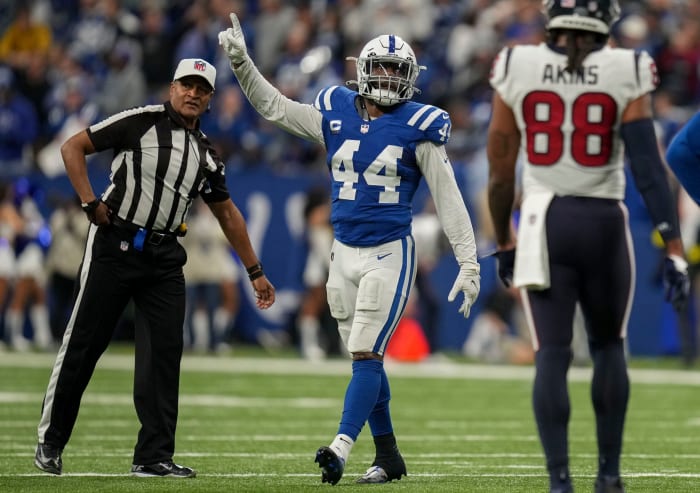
89	207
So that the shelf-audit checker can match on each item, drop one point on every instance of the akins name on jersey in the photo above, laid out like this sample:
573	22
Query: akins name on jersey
570	121
557	74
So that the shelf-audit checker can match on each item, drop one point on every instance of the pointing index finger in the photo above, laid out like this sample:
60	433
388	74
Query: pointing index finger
235	23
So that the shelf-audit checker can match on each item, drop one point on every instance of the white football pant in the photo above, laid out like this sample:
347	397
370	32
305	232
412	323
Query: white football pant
367	291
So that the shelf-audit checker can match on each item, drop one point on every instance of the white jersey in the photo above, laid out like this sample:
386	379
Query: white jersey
570	123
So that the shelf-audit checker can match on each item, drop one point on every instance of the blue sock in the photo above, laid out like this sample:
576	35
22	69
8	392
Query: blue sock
360	396
380	418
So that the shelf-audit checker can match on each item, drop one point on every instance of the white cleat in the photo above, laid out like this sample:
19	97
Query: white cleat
374	475
20	344
313	353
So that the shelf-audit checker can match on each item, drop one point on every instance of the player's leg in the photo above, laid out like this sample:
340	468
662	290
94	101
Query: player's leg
606	300
30	292
383	276
309	323
225	314
7	275
39	315
14	318
341	291
212	302
552	311
312	306
388	463
550	314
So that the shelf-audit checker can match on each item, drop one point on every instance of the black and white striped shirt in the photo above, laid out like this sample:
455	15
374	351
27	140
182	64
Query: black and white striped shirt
159	166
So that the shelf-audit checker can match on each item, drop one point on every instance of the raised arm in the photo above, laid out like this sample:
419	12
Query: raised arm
302	120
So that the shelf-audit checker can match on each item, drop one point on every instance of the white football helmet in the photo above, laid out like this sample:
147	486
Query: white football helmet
387	70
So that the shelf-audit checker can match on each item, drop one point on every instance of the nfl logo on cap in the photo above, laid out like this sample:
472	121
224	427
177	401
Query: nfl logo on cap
196	66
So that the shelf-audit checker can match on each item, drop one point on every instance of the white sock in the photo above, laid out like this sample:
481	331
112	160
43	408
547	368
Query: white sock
39	316
14	324
342	445
309	328
222	321
200	331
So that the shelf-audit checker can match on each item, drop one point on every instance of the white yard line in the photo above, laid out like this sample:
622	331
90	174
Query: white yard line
428	369
417	475
188	400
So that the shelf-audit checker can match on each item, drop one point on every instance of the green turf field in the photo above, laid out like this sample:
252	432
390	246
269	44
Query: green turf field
254	424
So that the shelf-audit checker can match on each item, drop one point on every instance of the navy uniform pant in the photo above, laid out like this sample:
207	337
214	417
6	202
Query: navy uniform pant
113	272
591	262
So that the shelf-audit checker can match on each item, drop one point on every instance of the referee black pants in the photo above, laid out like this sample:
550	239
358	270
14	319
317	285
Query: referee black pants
112	273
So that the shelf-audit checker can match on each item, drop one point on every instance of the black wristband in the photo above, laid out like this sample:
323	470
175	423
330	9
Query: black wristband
255	271
89	207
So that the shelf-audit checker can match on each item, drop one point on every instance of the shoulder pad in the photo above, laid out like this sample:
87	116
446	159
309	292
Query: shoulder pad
500	66
647	72
433	122
333	98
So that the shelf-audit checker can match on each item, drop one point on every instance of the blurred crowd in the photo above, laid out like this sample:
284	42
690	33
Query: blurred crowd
65	64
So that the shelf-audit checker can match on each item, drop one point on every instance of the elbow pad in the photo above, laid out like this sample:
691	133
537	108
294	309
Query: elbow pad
650	175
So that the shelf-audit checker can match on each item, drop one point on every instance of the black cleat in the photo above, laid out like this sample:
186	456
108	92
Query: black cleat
331	465
384	471
560	481
48	459
562	488
609	484
161	470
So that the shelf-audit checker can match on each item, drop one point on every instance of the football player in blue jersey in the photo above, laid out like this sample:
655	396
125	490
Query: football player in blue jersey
683	156
379	145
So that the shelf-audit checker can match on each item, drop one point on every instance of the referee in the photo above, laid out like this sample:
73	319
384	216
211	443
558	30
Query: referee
162	161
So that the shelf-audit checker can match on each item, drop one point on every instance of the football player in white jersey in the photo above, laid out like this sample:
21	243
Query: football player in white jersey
379	145
572	106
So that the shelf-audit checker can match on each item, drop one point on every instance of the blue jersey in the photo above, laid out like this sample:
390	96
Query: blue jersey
683	156
373	164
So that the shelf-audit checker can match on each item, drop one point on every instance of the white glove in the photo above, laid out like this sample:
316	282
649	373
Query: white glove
233	42
469	282
676	282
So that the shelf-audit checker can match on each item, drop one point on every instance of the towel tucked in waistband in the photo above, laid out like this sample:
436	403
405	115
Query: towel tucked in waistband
531	255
